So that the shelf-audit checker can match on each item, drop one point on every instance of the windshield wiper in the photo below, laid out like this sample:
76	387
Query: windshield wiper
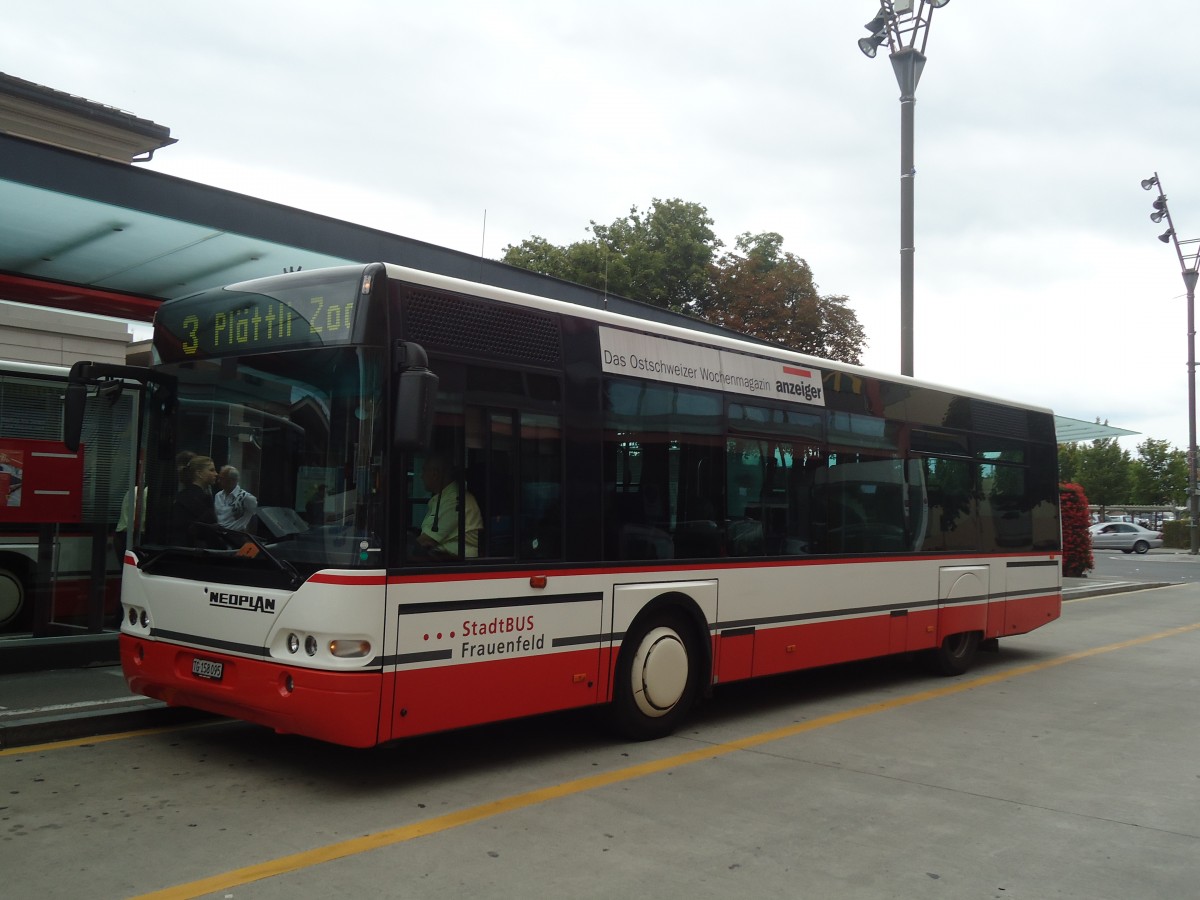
260	548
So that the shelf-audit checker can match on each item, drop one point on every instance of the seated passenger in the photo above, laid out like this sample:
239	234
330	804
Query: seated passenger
234	505
439	529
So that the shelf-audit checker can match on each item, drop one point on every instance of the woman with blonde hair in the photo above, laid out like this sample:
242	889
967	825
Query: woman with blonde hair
194	502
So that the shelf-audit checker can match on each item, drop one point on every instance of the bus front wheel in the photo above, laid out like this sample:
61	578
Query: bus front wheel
956	653
657	677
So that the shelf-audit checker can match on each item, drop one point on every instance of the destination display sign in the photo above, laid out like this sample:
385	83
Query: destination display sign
662	359
228	322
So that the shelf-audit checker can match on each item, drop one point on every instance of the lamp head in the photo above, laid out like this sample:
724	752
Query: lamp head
1160	204
938	4
1166	236
1157	216
869	45
1148	183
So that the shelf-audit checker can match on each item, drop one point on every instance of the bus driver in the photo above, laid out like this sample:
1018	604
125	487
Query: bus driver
439	529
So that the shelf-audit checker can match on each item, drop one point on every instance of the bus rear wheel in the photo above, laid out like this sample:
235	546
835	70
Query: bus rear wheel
657	677
12	597
956	653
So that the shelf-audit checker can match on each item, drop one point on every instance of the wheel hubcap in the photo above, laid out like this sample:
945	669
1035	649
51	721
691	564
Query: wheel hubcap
660	672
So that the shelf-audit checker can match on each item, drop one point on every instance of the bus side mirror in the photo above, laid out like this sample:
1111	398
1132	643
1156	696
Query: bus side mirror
415	397
416	394
76	402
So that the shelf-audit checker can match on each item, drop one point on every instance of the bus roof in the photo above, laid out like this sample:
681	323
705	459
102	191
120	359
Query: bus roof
731	342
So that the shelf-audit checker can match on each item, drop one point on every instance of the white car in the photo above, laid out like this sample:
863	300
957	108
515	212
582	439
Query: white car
1124	536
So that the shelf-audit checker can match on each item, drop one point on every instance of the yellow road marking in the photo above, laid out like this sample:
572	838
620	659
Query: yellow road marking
103	738
308	858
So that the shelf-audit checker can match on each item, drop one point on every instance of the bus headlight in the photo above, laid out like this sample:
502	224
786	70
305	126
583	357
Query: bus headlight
349	649
310	645
293	643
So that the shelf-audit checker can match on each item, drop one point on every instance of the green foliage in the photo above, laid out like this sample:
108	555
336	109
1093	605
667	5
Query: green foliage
760	290
1159	474
661	256
1111	477
667	256
1068	462
1105	472
1177	534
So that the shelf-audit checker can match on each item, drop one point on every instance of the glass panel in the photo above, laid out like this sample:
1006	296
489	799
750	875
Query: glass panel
304	429
950	522
773	507
541	487
663	471
1004	515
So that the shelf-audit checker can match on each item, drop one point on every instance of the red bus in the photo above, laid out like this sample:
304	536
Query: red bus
475	504
59	507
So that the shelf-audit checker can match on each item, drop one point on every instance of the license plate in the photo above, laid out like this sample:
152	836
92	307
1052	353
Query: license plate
206	668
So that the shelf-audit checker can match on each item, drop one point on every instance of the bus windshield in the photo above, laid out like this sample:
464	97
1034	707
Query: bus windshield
303	429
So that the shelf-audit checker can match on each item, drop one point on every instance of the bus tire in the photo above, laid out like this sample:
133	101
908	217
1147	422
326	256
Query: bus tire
12	598
657	677
956	653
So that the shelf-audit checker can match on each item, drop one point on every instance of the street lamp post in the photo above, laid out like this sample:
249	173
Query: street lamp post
904	26
1189	265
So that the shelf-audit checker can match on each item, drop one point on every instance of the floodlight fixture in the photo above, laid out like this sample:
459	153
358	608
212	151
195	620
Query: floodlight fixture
869	46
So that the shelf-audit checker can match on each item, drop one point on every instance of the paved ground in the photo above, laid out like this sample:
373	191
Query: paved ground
37	707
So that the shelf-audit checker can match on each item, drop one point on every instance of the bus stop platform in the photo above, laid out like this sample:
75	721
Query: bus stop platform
91	700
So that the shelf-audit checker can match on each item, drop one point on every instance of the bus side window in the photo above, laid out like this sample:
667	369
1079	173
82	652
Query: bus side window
540	520
951	522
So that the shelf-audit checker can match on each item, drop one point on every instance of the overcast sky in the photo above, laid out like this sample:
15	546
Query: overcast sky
1038	273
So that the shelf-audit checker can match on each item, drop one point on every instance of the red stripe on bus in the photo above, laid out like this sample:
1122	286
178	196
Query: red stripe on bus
792	370
671	570
357	580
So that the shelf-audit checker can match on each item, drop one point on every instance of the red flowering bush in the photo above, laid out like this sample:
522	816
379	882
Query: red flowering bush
1077	542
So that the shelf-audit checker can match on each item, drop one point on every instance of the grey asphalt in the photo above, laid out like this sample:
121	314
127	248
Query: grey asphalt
68	704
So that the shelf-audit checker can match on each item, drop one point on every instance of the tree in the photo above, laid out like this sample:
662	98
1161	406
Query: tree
762	291
539	255
666	256
1159	474
1068	462
662	256
1105	472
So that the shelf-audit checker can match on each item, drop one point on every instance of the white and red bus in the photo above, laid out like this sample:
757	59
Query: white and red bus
652	511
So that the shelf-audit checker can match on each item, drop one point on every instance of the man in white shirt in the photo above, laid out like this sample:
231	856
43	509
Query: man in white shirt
439	529
235	506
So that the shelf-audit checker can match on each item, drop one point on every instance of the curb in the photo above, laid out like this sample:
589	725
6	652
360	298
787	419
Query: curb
1103	590
47	729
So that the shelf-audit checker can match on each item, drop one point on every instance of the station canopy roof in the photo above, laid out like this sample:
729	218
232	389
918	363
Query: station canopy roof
93	235
1070	431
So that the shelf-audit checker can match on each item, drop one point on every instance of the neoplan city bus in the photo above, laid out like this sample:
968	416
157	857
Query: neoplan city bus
642	511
